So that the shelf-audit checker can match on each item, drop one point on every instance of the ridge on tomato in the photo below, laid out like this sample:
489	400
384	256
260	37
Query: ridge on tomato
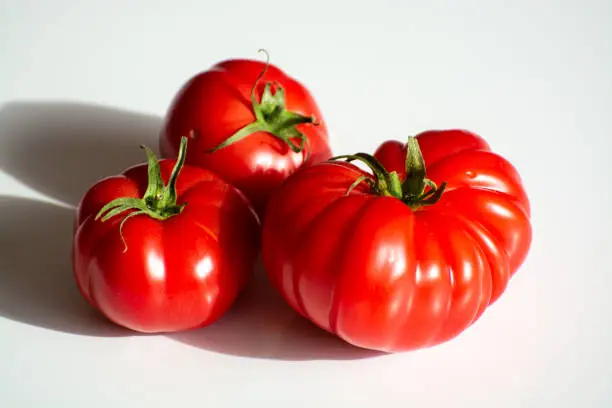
405	256
164	246
249	122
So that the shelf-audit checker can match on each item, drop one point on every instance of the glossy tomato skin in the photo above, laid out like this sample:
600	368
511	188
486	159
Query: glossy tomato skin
180	273
382	276
216	103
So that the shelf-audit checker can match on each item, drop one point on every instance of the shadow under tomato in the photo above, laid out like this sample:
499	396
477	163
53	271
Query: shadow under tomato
36	282
61	148
262	325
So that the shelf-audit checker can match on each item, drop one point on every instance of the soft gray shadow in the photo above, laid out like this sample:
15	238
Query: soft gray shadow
36	282
262	325
61	148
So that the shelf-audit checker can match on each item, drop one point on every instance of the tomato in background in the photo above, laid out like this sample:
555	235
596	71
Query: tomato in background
249	122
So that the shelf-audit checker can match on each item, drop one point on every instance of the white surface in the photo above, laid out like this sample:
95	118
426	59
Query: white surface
532	77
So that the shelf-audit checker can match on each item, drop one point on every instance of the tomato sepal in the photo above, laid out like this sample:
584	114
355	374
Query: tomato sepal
272	116
159	201
415	191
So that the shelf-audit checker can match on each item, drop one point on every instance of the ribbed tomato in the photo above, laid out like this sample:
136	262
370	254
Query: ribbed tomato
399	259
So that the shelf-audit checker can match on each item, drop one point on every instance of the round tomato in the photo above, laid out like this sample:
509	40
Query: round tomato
249	122
399	258
156	257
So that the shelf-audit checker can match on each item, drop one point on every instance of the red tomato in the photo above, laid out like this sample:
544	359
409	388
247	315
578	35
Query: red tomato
174	259
395	263
264	123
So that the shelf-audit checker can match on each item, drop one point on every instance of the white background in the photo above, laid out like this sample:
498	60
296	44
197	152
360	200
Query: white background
82	78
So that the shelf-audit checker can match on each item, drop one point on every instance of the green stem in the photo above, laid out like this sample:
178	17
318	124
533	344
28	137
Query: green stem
413	191
357	182
155	181
272	116
385	184
395	185
249	129
159	201
415	169
169	196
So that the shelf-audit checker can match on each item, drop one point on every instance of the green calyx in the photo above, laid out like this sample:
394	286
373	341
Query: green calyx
271	116
159	200
415	191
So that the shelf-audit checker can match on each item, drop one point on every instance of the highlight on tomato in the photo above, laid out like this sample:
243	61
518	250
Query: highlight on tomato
250	122
407	254
164	246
